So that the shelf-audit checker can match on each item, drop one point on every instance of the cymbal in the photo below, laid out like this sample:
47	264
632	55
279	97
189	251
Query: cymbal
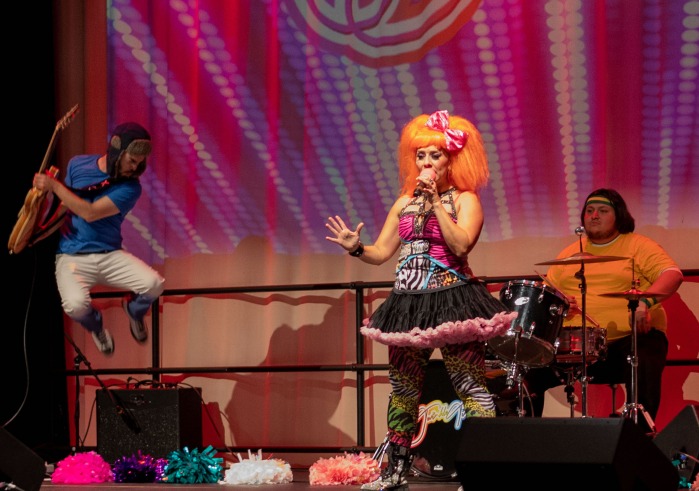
631	294
580	258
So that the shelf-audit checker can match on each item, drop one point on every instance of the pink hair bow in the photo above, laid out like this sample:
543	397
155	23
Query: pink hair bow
439	121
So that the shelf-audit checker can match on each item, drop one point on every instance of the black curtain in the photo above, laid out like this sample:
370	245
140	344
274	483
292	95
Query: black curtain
33	396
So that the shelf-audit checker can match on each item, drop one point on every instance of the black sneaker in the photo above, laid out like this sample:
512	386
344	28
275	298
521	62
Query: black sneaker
139	331
104	342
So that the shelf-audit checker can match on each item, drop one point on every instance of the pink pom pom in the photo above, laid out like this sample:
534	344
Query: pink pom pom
82	468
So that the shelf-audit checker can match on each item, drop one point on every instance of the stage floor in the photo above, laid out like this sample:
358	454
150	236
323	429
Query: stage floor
504	479
300	483
547	454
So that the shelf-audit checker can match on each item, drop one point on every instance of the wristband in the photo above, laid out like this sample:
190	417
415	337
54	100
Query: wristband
649	301
358	251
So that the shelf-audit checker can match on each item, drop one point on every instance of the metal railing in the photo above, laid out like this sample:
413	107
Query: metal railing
358	366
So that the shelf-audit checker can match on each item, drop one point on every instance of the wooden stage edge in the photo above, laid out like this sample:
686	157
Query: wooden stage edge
300	483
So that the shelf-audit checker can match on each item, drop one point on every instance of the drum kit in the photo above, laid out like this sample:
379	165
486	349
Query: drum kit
536	338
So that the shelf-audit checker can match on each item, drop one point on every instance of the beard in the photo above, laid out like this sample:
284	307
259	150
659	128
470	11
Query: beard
601	235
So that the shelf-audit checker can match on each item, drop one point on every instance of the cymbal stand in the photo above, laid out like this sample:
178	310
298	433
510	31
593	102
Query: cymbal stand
631	409
583	294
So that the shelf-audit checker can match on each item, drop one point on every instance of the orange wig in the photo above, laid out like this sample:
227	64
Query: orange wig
468	166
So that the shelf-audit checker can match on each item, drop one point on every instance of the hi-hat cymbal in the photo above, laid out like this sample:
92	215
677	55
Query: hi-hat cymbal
580	258
631	294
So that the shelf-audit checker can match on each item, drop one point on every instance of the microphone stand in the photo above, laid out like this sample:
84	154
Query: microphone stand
583	292
120	409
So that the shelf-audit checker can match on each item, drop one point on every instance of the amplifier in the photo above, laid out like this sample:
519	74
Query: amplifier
154	421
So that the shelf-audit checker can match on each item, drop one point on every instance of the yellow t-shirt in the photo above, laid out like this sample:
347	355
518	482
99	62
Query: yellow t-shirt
645	261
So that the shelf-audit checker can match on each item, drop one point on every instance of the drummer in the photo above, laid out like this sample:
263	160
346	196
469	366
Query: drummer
609	229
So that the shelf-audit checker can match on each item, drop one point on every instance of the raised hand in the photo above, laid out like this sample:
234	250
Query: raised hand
341	234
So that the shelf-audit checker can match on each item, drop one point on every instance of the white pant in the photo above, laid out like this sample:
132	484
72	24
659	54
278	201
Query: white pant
77	274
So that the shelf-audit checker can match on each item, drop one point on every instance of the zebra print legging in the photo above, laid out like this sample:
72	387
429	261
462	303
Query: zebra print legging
465	364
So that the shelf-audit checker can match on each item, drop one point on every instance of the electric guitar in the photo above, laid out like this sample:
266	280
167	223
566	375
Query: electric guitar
31	223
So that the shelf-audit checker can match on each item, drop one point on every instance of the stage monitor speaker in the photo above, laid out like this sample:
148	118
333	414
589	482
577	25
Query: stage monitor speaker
154	421
611	454
679	441
19	466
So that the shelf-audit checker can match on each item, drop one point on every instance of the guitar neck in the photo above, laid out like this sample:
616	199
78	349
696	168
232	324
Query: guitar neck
49	151
62	123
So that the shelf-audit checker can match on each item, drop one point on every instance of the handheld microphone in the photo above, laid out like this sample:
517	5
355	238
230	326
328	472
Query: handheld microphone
579	231
427	174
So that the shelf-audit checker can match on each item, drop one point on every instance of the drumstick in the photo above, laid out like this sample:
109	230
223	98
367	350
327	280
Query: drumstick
546	280
594	322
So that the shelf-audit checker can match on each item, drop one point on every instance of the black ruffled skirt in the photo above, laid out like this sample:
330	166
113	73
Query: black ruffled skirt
433	318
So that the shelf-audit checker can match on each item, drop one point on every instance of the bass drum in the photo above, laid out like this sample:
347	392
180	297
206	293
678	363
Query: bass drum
440	417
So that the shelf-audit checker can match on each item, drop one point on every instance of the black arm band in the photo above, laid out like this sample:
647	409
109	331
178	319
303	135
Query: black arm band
358	251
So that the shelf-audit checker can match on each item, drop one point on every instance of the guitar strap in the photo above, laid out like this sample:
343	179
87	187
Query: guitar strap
43	230
93	189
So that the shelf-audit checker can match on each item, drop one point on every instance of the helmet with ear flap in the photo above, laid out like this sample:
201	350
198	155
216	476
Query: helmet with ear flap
132	138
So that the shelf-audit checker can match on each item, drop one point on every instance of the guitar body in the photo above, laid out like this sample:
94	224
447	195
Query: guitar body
31	217
33	222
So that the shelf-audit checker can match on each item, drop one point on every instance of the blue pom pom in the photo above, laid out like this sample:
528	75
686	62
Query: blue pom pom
185	467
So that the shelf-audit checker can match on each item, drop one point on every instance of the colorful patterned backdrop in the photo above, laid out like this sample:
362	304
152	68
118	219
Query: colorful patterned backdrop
270	115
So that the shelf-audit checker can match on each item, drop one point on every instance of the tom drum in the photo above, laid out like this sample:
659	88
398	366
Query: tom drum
531	338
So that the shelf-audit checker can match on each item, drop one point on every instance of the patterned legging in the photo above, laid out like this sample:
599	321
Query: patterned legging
465	364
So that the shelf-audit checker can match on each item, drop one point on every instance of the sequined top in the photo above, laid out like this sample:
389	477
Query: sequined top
425	260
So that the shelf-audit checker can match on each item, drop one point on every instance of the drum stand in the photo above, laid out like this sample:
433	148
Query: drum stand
515	375
570	391
632	408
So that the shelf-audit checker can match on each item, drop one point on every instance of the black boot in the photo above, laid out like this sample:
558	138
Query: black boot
394	476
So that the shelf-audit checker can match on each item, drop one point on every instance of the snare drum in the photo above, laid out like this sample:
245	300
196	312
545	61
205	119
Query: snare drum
570	348
531	337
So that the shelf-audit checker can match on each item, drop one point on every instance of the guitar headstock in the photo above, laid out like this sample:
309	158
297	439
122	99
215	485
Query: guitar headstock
67	119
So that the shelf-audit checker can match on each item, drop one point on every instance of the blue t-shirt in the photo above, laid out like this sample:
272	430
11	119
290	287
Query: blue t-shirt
80	236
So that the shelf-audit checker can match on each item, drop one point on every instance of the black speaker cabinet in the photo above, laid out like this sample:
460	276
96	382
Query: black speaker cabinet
679	441
434	447
562	453
19	465
154	421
